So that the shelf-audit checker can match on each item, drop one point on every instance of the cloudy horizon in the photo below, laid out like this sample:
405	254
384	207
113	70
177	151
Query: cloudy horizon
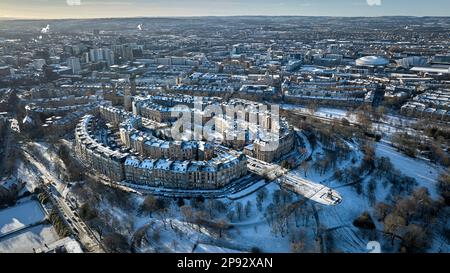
56	9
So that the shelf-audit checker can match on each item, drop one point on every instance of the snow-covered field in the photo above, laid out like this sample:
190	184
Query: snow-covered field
20	216
25	173
251	231
24	241
339	217
205	248
22	228
182	238
424	172
338	220
324	112
254	230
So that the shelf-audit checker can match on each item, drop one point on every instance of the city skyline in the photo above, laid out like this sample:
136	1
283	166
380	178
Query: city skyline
60	9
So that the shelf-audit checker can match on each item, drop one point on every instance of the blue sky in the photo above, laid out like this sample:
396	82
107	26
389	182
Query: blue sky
132	8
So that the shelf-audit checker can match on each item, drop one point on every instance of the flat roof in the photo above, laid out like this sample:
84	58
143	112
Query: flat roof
431	69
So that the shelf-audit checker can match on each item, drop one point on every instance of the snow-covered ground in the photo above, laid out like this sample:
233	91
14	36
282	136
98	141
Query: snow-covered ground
324	112
340	218
425	173
206	248
254	230
173	236
25	173
352	205
326	178
25	240
20	216
389	124
251	231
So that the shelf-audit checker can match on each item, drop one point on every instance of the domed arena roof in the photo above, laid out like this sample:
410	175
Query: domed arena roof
372	61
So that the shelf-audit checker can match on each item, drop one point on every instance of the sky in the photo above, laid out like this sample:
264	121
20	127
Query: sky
166	8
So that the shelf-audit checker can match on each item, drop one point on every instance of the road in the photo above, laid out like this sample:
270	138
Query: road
234	187
83	232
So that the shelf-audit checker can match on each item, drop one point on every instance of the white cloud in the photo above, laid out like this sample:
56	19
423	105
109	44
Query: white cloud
73	2
374	2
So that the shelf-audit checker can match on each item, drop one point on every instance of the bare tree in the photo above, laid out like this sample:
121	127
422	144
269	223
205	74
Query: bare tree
239	210
305	167
415	239
382	210
221	226
248	208
116	243
150	204
444	186
230	215
260	197
393	225
188	213
312	107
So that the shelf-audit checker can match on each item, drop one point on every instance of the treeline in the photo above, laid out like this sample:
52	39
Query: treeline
382	173
55	218
443	186
8	197
110	228
59	224
74	171
332	133
413	220
413	145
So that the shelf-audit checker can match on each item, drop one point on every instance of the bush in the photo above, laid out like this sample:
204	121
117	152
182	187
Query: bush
116	243
406	143
59	224
285	164
444	187
7	197
415	239
255	250
364	221
87	213
180	202
153	204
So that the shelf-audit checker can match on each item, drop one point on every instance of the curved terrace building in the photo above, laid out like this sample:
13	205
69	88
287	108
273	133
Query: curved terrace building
170	164
129	150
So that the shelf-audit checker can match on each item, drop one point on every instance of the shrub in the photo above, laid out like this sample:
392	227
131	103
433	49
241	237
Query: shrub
364	221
